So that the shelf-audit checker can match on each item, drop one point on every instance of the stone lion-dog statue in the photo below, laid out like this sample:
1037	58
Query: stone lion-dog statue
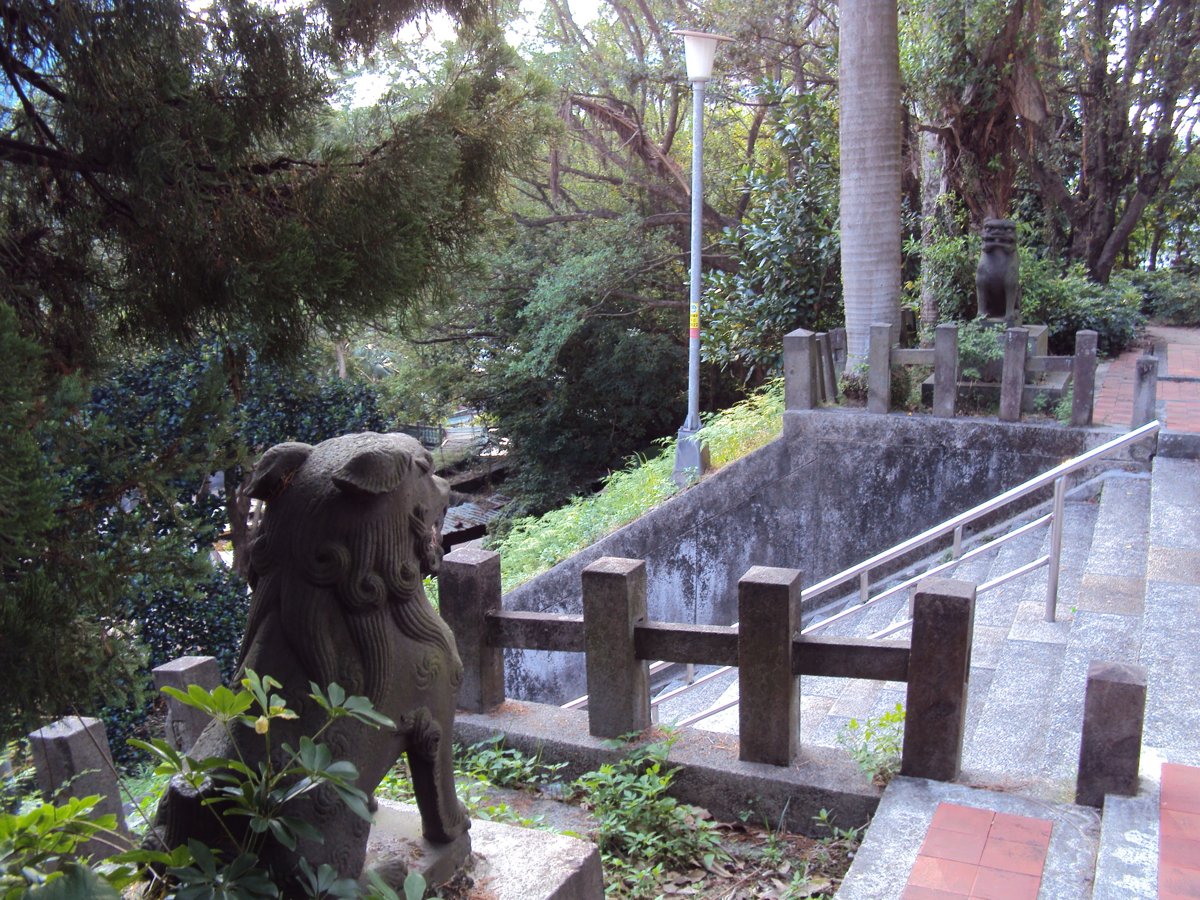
348	530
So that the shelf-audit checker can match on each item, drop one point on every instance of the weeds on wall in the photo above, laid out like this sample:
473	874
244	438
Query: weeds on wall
535	543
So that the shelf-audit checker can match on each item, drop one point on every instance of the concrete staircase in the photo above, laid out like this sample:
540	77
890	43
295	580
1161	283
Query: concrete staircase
1129	591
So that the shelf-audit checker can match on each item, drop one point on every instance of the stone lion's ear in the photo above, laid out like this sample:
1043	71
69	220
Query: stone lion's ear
375	471
276	467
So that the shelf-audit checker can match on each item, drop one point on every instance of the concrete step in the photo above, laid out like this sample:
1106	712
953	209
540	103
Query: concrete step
1017	657
885	861
1104	617
1171	613
1127	857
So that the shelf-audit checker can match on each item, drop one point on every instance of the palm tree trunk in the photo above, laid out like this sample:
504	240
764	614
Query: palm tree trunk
869	91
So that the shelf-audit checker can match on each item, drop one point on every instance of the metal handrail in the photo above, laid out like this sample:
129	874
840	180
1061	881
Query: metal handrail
1056	476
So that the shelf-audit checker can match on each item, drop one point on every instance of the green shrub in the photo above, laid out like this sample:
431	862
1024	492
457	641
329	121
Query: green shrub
853	385
979	344
1169	296
1068	301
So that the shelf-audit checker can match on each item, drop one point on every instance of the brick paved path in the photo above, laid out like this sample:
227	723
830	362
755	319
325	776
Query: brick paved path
1181	399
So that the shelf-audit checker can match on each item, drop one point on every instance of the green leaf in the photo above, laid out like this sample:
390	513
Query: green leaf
414	886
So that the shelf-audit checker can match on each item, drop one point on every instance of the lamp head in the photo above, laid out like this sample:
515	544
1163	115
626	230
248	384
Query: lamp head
699	48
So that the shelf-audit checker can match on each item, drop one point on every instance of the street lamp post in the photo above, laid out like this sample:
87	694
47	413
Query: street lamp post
691	455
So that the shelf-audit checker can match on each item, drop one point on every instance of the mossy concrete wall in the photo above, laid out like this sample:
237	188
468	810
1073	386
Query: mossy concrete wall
837	487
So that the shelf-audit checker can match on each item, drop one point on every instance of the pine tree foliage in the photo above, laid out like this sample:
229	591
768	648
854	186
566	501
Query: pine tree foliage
169	170
176	174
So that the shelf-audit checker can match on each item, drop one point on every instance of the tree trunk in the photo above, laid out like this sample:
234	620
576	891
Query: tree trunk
933	187
237	507
869	92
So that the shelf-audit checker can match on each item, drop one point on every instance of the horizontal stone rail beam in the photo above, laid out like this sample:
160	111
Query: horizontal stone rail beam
706	645
535	631
851	658
1050	364
914	357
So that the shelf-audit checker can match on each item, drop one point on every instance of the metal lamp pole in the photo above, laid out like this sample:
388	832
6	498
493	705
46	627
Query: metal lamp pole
691	455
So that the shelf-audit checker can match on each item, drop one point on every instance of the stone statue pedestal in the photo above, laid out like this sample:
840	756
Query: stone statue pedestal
510	863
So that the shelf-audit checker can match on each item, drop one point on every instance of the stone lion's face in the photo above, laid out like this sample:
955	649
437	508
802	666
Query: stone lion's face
371	493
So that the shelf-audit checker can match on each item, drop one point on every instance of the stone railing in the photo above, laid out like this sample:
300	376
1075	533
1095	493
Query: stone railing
618	643
811	373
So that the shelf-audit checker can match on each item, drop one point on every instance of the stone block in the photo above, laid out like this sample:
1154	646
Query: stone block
468	591
800	389
945	370
505	862
1145	391
1012	381
938	669
879	369
1111	746
1083	376
769	618
614	604
71	758
184	723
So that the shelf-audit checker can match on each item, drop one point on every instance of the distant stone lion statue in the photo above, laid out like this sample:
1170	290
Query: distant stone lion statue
349	528
997	277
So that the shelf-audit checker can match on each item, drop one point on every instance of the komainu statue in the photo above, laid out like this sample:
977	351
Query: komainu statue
997	285
348	530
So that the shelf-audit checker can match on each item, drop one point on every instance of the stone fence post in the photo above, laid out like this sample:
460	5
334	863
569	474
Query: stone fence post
73	754
469	589
879	369
618	683
938	667
1083	377
945	371
769	711
1145	392
1012	378
1110	747
801	387
184	723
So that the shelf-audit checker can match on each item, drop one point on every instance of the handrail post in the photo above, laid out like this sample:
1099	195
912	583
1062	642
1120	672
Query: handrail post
184	723
1056	536
769	711
618	683
1012	378
469	589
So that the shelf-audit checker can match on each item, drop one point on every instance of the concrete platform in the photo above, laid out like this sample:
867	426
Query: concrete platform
506	862
883	863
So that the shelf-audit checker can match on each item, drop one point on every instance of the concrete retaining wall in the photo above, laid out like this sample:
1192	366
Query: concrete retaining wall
835	488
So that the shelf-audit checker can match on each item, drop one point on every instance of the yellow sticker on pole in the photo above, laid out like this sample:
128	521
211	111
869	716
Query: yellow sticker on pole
694	321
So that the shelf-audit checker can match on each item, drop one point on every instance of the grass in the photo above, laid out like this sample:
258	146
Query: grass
536	543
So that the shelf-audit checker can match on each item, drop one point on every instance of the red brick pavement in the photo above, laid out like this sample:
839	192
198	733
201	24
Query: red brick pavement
977	853
1114	396
1179	833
